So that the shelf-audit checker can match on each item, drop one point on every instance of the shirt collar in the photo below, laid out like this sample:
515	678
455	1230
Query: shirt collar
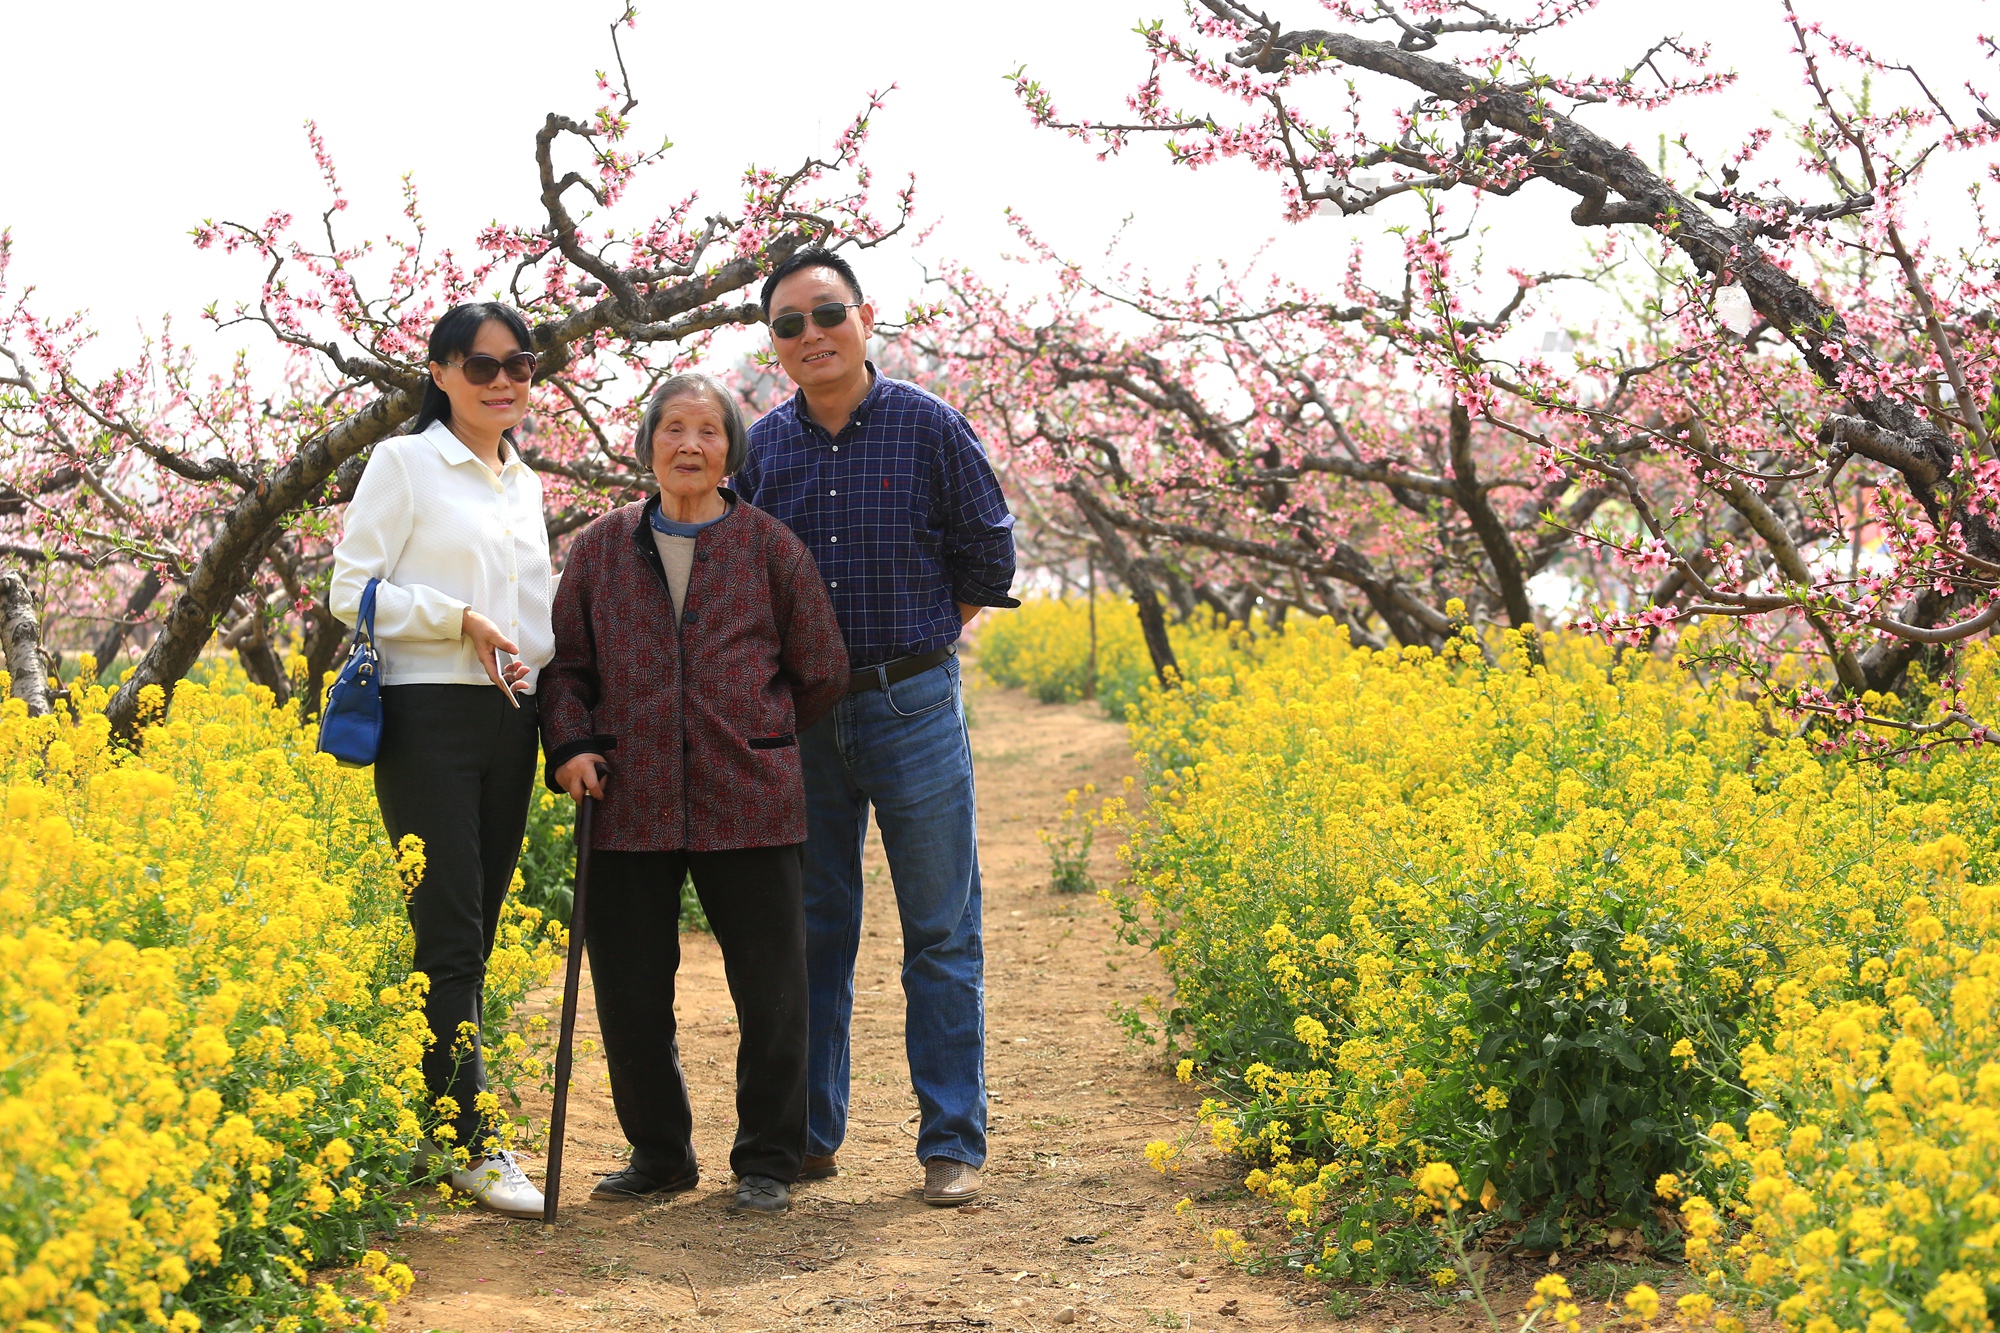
642	535
453	450
656	515
859	416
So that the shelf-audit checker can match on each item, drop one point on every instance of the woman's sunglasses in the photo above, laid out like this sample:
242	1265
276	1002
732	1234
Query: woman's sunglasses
483	369
829	316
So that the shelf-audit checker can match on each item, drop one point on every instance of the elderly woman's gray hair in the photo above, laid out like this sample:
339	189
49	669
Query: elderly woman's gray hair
680	386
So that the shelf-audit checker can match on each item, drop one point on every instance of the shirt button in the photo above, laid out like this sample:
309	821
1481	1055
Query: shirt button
833	539
836	448
833	492
512	577
834	584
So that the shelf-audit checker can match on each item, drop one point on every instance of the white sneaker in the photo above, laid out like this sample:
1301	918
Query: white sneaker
498	1183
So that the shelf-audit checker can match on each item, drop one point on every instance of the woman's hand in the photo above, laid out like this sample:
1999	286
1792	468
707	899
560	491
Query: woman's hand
583	774
487	642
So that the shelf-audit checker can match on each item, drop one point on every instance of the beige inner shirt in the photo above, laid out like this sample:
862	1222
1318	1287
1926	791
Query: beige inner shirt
677	554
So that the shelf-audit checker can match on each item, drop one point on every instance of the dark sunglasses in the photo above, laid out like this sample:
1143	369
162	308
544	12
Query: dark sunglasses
482	369
829	316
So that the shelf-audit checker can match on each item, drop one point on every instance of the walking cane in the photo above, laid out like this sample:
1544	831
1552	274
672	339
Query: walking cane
573	975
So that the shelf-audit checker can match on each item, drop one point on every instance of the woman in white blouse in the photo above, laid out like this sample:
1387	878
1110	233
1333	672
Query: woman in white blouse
449	519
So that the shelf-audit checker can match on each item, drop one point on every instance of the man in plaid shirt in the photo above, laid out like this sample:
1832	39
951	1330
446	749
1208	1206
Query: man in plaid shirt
891	492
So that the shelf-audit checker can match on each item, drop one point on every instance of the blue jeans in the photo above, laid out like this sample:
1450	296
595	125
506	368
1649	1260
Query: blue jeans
903	751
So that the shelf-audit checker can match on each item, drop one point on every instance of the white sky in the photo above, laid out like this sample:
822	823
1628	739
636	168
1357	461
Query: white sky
129	122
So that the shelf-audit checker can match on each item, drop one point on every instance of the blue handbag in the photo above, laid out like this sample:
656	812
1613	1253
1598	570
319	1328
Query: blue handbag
350	725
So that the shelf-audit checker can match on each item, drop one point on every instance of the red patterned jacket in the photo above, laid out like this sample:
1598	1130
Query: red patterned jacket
701	725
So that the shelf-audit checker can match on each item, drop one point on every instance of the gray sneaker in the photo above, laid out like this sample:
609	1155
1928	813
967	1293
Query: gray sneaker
761	1194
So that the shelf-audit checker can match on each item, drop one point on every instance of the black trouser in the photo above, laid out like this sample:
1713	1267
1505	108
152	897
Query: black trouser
455	768
632	930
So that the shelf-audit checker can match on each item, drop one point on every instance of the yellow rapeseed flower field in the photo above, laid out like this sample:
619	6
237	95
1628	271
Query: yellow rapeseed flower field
209	1034
1044	648
1598	941
1864	1192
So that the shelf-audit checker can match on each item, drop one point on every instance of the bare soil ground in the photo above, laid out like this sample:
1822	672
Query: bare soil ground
1073	1218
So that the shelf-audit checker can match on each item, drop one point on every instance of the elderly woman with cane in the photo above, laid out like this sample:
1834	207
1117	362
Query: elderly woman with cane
694	641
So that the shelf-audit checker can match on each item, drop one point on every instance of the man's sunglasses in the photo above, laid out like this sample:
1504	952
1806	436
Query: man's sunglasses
482	369
829	316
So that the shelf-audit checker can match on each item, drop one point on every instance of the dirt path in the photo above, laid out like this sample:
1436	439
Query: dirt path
1073	1217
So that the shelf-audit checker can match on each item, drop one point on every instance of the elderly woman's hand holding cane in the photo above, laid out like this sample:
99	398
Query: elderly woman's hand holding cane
587	786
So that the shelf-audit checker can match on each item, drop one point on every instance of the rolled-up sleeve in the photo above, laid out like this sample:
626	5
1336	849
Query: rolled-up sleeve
979	529
378	523
571	685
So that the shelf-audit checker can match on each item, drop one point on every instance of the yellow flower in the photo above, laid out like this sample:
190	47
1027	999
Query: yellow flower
1959	1298
1696	1307
1552	1287
1438	1182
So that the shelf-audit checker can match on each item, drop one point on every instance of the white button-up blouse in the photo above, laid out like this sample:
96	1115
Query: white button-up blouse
445	535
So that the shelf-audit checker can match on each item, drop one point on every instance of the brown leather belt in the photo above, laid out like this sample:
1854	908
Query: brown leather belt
889	673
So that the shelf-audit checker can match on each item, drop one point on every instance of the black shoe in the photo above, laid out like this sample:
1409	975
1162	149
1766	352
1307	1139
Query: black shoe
761	1194
632	1183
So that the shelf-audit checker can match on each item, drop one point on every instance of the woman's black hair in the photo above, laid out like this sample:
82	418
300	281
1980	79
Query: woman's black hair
453	335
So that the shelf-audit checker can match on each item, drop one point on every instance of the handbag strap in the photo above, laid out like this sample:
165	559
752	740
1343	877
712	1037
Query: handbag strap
364	625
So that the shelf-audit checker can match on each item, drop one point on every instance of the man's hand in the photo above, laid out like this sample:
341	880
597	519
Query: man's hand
582	775
967	613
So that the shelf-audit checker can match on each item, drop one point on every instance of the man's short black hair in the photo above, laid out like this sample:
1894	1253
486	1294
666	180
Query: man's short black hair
812	257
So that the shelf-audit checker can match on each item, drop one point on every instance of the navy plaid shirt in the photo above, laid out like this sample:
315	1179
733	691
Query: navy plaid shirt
901	511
